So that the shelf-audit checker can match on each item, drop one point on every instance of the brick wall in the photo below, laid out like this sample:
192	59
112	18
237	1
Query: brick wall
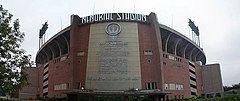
30	91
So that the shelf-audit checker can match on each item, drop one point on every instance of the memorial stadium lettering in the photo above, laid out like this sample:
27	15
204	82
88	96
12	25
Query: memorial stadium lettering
114	17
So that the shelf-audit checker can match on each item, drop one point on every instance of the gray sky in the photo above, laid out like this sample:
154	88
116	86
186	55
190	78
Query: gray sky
218	21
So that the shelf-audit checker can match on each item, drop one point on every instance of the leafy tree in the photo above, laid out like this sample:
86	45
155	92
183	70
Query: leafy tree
12	58
235	86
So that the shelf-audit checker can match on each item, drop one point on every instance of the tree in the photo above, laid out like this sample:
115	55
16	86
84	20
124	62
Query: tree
12	58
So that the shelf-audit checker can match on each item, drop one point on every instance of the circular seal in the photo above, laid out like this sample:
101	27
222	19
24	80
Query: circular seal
113	29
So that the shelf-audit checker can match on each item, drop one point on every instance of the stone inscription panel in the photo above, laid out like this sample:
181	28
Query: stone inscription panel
113	61
113	56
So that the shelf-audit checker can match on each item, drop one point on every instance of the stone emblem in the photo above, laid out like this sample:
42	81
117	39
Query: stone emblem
113	29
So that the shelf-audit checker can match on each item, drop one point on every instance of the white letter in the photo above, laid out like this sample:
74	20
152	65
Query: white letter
91	18
127	16
139	17
84	20
133	17
118	17
123	18
107	16
100	17
144	18
111	16
96	17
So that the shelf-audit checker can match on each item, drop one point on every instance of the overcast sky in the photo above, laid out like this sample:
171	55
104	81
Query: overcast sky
218	21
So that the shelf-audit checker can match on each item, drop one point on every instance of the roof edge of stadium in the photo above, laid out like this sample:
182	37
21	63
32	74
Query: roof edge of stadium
53	37
181	35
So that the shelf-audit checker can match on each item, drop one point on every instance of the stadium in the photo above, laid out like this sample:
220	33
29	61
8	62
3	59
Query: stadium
124	54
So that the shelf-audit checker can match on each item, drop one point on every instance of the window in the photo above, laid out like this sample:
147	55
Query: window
191	64
179	87
45	66
57	60
63	86
79	61
191	71
166	86
172	87
151	85
193	86
46	86
81	53
45	80
191	78
149	61
154	85
45	94
63	58
148	86
45	73
165	56
193	93
148	52
79	85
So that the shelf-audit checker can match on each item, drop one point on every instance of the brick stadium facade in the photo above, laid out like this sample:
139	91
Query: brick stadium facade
121	54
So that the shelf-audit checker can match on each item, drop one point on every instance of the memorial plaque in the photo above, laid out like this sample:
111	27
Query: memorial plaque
113	57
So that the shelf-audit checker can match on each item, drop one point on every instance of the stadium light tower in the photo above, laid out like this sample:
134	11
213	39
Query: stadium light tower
195	32
42	34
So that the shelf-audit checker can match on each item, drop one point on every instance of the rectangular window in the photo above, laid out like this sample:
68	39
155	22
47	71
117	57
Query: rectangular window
191	64
172	87
148	86
193	86
45	73
46	86
45	94
193	93
45	80
63	58
63	86
81	53
151	85
171	57
46	66
191	78
191	71
148	52
154	86
179	87
79	85
166	86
